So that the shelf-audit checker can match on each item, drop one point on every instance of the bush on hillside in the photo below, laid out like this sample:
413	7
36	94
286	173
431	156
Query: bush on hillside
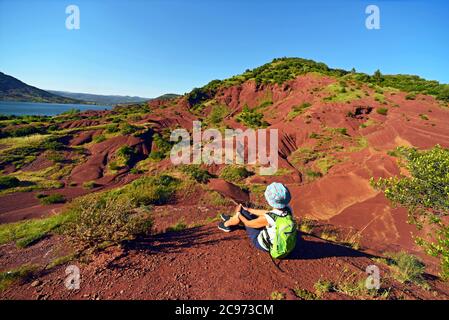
7	182
382	111
425	194
196	173
251	118
51	199
155	190
162	147
99	220
234	173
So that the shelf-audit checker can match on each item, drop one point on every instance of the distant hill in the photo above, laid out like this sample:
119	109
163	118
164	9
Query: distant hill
98	98
167	96
12	89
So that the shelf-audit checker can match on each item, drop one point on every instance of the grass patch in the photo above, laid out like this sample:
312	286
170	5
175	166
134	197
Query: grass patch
382	111
52	199
26	232
406	267
306	225
341	93
196	173
360	144
235	173
326	163
251	118
368	123
297	110
322	287
329	235
305	294
276	295
60	261
312	175
18	274
89	185
156	190
217	114
410	96
215	199
178	226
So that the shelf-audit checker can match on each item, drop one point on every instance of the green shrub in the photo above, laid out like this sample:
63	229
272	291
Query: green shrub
52	199
196	173
234	173
22	131
89	185
155	190
425	194
112	128
297	110
382	111
55	156
313	174
199	95
114	166
128	129
179	226
251	118
217	114
406	267
7	182
276	295
99	138
52	145
124	155
163	147
99	220
304	294
410	96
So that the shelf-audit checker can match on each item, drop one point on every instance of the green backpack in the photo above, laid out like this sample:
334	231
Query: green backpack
285	238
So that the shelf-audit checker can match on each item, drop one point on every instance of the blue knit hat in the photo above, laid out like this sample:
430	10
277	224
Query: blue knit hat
277	195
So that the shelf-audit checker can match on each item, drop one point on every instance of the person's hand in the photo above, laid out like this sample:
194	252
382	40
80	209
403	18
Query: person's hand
238	208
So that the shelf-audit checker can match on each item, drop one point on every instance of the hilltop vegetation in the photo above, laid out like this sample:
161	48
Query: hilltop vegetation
281	70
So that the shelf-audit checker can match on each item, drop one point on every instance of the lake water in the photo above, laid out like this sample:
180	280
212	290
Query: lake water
42	109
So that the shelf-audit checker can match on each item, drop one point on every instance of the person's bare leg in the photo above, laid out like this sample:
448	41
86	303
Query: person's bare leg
233	221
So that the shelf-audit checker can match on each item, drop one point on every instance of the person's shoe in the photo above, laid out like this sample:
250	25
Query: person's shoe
225	217
222	227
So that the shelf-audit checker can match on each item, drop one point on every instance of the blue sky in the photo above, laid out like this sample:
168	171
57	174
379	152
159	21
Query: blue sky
152	47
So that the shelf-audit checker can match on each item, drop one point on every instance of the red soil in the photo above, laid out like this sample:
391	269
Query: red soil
196	263
205	263
228	190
